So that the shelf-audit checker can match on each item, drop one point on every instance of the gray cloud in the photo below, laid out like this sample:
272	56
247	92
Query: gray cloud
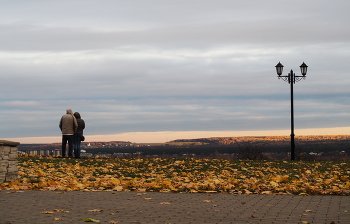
171	66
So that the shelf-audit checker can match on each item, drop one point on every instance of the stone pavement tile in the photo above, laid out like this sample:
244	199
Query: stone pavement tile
134	207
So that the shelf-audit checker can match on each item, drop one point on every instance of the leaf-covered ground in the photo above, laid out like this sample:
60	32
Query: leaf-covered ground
182	175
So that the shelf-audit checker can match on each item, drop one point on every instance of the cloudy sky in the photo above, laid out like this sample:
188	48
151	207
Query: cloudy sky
137	68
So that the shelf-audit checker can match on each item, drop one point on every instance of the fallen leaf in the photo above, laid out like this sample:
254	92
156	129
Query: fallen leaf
164	203
96	210
113	222
90	220
57	219
254	217
208	201
47	212
308	210
36	173
58	210
118	188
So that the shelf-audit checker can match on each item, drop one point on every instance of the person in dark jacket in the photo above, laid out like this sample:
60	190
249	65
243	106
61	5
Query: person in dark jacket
78	134
68	126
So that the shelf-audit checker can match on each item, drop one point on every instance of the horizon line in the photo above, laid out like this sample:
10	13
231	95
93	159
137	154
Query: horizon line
166	136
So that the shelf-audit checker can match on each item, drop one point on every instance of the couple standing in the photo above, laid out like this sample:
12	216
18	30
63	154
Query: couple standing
72	127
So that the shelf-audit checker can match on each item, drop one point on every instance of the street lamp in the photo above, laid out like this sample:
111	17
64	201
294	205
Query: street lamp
291	78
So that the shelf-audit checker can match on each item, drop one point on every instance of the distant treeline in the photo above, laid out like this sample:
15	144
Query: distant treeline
205	150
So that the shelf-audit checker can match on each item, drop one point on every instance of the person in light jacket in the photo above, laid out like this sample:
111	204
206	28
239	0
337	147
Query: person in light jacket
68	126
78	134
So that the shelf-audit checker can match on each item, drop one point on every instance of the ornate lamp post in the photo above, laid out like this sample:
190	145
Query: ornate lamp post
291	78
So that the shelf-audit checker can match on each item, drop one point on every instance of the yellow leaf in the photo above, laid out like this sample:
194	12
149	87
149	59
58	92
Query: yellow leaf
58	210
245	191
344	178
273	184
115	182
47	212
328	181
118	188
96	210
90	220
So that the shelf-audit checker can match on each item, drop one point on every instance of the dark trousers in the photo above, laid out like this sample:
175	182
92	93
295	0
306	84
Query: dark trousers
77	142
69	139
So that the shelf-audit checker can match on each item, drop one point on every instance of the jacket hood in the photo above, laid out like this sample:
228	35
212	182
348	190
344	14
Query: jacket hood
69	111
77	115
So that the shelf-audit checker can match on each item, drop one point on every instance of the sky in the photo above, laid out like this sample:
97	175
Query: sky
156	71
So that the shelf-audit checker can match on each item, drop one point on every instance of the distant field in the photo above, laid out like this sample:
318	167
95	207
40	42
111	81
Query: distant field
182	175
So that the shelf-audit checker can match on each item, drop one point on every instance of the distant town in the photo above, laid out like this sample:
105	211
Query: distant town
273	146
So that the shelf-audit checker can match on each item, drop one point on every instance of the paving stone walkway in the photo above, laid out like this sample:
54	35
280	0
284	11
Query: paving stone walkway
169	208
